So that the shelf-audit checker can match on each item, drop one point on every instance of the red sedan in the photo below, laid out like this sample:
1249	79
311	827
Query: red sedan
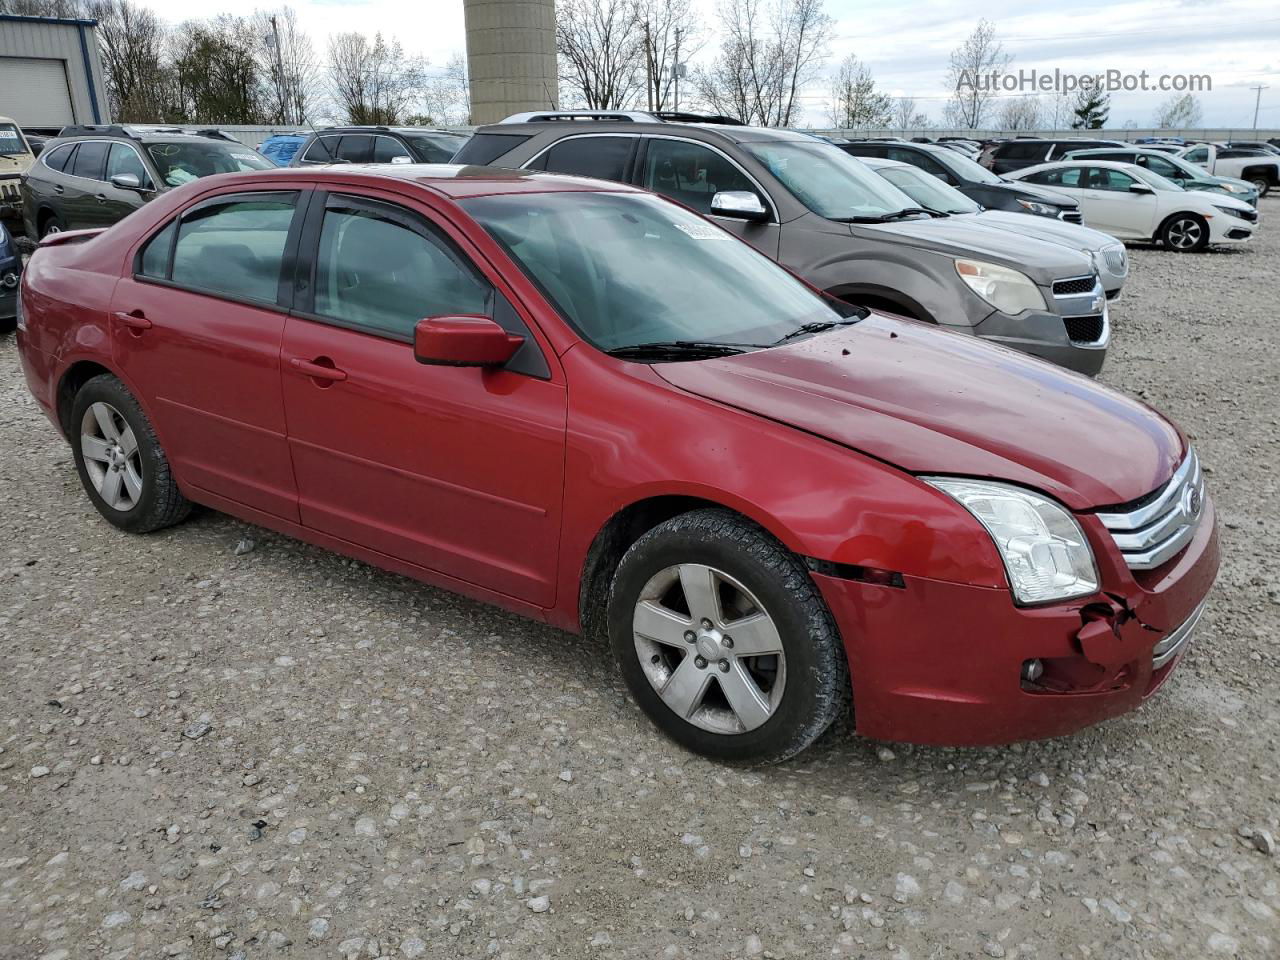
590	406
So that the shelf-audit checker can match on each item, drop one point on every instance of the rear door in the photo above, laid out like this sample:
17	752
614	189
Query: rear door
458	470
197	328
79	192
117	203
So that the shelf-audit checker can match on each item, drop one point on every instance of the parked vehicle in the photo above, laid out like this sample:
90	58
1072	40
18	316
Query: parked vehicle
1108	253
281	148
1185	174
15	159
1133	203
1024	152
379	145
764	499
1260	169
10	276
1262	145
973	180
92	176
825	216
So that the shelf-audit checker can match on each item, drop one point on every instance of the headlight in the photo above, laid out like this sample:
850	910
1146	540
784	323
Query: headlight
1229	211
1007	290
1039	209
1235	188
1045	552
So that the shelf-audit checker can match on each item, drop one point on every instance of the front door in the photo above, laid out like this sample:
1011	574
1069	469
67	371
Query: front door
1112	207
455	469
196	327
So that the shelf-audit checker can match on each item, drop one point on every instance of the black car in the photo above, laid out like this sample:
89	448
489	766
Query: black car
1029	151
10	273
92	176
976	182
379	145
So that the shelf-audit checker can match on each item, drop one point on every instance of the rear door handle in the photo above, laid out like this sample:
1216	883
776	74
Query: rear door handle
101	198
318	371
134	320
58	188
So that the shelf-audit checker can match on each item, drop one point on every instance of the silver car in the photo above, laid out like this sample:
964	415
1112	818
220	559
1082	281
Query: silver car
1108	253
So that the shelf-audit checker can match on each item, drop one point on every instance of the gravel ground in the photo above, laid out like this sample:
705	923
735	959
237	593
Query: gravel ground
218	742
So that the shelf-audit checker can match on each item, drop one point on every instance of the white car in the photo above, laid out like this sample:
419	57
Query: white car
1132	203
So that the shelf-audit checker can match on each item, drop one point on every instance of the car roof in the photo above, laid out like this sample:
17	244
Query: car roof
447	179
1080	161
877	163
364	128
731	132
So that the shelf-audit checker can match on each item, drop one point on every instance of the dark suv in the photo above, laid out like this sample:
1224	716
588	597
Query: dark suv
828	218
378	145
973	180
92	176
1027	152
10	273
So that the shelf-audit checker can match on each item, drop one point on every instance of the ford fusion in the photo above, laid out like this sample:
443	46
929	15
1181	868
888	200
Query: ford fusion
588	405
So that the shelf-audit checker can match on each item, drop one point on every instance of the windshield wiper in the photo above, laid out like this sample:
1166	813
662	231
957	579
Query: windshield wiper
679	350
886	217
815	326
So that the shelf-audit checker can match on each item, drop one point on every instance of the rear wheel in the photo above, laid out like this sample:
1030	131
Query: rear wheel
1262	184
724	640
50	224
1185	233
121	464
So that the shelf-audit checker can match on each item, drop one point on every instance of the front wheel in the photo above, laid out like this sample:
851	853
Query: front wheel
724	640
1185	233
1262	184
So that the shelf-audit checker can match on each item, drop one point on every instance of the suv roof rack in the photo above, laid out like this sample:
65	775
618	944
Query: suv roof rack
551	116
134	131
679	116
98	130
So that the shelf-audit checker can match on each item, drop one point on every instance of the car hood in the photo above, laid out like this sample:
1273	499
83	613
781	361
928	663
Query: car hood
933	402
1046	194
958	236
1045	228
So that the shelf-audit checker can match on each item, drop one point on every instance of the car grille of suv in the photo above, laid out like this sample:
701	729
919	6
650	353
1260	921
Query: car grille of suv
1084	329
1073	216
8	189
1159	525
1067	288
1116	259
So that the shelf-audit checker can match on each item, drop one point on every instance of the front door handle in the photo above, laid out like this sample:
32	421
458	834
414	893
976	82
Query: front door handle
135	320
321	368
58	189
101	198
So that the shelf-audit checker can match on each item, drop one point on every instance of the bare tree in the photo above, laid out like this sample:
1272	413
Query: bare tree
447	97
287	62
968	76
64	9
905	116
1179	113
600	43
373	82
1022	113
1058	111
856	104
769	51
132	40
669	31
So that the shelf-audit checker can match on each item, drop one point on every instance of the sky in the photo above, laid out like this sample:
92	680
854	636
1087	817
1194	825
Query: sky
906	43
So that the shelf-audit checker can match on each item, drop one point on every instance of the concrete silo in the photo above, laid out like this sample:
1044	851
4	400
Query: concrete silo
511	56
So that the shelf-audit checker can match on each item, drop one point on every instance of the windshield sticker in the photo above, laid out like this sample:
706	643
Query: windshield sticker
249	157
9	134
701	231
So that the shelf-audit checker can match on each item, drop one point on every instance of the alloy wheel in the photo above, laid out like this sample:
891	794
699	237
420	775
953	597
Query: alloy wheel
111	457
709	648
1185	234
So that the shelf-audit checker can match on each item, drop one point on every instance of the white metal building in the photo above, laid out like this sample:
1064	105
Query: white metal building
50	72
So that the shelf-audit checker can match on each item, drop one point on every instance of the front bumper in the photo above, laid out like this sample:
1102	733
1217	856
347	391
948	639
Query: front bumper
1044	335
937	662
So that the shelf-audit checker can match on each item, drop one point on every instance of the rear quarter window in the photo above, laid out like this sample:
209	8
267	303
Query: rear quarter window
57	158
484	148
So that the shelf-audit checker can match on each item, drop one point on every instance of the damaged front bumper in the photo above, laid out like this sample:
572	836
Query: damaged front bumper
936	662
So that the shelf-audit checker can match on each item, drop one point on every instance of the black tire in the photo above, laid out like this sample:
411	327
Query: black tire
1177	229
816	689
160	503
51	223
1263	185
8	324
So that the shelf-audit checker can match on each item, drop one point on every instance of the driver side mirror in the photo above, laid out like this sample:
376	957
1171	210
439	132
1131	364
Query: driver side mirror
129	181
1140	188
463	341
739	205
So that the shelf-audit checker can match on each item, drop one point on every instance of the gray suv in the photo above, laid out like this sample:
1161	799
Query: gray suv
828	218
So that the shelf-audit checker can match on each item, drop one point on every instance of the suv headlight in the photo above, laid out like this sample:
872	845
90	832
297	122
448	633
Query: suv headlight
1045	552
1007	290
1039	209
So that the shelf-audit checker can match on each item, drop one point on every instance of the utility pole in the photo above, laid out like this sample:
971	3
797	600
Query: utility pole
648	66
675	75
1257	101
280	90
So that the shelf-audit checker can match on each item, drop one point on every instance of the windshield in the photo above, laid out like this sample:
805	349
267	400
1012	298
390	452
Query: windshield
1159	182
11	142
628	269
927	190
179	163
436	147
1190	169
828	181
963	167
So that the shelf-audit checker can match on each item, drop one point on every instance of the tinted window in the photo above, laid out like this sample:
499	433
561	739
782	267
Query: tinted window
57	160
1068	177
375	272
179	163
1025	150
235	248
321	151
435	147
862	150
124	159
354	149
602	157
484	148
924	162
692	173
90	159
1161	166
1198	155
156	254
1101	178
390	150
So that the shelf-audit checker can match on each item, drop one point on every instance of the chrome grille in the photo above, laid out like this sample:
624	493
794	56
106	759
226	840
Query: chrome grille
9	189
1173	642
1162	523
